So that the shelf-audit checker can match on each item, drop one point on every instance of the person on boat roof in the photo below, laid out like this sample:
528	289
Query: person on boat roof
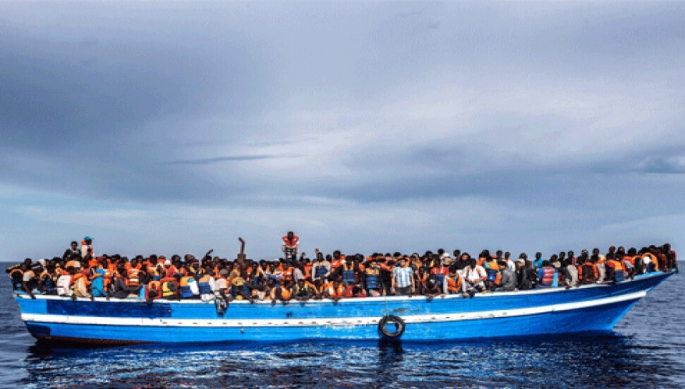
72	250
87	248
290	247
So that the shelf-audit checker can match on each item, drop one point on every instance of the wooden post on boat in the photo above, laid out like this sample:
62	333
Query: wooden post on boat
241	257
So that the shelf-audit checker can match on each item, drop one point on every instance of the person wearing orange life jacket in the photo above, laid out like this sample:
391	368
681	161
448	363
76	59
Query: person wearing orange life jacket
614	269
337	260
290	247
188	287
153	291
64	282
508	280
29	279
453	282
287	272
119	288
354	290
133	271
438	274
46	281
335	290
281	293
80	286
587	271
87	248
17	276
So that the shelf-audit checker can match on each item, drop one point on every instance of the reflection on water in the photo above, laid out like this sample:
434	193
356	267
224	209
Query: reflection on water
646	352
609	361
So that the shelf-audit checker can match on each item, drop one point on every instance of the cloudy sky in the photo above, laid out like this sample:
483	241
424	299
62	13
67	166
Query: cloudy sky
361	126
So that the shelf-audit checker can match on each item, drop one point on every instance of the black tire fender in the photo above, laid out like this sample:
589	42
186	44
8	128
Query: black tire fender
387	319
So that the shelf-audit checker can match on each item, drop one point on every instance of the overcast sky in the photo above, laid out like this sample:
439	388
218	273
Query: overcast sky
362	126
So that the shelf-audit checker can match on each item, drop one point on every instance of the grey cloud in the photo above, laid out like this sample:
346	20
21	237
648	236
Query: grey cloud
203	161
660	164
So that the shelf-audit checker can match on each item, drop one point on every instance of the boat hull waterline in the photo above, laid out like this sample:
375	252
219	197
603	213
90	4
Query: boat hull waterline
588	309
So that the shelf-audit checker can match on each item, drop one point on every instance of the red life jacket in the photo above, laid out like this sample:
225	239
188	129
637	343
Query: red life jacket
547	276
291	243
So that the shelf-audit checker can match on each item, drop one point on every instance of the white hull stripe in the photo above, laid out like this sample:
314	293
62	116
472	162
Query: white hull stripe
349	321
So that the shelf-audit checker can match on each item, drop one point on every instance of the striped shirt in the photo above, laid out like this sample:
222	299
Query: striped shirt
402	276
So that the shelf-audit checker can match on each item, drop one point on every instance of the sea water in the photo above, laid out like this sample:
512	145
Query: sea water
647	350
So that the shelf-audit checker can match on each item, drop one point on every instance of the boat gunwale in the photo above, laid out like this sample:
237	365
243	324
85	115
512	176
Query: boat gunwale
356	300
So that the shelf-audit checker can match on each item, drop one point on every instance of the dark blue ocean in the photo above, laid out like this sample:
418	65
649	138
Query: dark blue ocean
647	350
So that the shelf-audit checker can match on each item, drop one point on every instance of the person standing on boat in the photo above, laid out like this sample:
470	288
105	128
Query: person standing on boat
87	248
290	247
73	249
403	279
321	268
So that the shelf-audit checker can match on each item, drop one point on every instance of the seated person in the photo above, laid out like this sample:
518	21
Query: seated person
302	291
281	293
334	290
354	290
433	289
473	279
547	275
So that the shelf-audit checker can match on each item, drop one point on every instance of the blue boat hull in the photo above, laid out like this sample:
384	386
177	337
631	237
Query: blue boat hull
595	308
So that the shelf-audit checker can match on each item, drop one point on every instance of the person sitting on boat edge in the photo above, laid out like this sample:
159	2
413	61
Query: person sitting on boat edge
282	293
29	279
548	277
354	290
453	282
302	291
473	279
46	280
403	279
239	289
614	269
334	290
206	284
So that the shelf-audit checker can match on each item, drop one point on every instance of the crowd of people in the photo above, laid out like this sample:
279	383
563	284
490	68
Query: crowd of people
79	273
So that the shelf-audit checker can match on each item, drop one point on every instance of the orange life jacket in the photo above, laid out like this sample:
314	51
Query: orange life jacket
133	279
291	243
453	285
153	285
333	292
